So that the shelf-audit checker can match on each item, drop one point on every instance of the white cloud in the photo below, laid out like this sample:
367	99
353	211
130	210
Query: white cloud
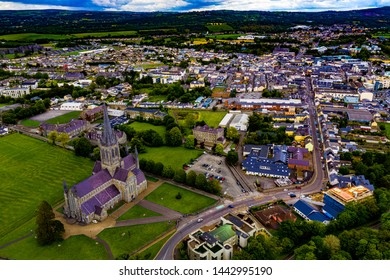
293	5
140	5
5	5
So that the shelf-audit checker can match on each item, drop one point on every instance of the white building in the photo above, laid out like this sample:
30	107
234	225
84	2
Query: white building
226	120
72	106
240	122
15	92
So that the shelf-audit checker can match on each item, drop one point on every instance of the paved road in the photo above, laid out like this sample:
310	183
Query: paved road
185	227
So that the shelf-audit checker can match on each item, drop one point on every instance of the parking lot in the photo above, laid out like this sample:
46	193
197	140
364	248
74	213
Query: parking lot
214	168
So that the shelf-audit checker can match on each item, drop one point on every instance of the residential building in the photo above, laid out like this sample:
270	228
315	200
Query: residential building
72	106
73	128
15	92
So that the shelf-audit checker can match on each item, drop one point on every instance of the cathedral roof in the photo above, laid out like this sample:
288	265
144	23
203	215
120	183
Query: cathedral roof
121	174
92	183
139	175
97	201
128	162
108	136
97	167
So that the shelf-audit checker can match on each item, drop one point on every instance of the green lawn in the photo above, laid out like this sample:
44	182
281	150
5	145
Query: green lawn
77	247
141	126
65	118
211	118
126	240
32	171
137	212
151	252
3	104
30	123
387	131
189	203
225	36
171	156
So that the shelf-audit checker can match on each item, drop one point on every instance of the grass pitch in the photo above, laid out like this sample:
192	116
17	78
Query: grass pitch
32	171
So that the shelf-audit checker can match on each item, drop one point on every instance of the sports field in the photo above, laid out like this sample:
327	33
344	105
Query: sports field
190	202
32	171
171	156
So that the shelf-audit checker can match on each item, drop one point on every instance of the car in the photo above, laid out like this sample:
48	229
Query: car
293	195
298	187
200	220
286	190
231	206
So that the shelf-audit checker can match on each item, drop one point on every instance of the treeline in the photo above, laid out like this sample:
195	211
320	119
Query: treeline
20	113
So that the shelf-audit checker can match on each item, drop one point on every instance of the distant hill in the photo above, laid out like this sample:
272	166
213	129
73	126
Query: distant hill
65	22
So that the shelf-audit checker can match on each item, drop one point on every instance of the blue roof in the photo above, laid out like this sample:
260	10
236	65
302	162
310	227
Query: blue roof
310	212
330	211
304	207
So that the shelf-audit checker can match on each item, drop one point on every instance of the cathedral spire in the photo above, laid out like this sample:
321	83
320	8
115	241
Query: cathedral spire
108	137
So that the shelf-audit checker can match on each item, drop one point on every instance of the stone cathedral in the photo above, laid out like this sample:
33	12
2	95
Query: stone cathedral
113	179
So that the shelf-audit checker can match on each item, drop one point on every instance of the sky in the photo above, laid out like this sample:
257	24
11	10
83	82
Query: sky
192	5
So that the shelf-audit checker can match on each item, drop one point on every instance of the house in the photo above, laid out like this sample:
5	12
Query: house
274	215
208	135
15	92
133	113
92	115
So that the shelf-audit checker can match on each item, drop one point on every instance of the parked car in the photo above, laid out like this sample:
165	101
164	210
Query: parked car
293	195
200	220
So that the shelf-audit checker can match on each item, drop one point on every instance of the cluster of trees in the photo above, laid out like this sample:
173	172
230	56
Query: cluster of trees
272	136
272	93
48	230
20	113
150	138
192	179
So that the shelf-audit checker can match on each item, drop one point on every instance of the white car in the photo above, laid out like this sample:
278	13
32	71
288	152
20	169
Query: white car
200	220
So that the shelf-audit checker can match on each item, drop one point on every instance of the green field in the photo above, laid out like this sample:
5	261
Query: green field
219	28
150	65
385	35
30	123
190	202
77	247
170	156
137	212
127	240
36	36
211	118
32	171
65	118
3	104
151	252
156	98
387	131
141	126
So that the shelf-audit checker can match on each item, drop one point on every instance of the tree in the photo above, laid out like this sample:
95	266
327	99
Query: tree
83	147
332	243
52	136
63	138
201	182
233	134
180	176
96	153
343	170
190	142
174	137
168	172
190	120
232	158
214	187
48	230
219	149
306	252
191	178
158	168
149	167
